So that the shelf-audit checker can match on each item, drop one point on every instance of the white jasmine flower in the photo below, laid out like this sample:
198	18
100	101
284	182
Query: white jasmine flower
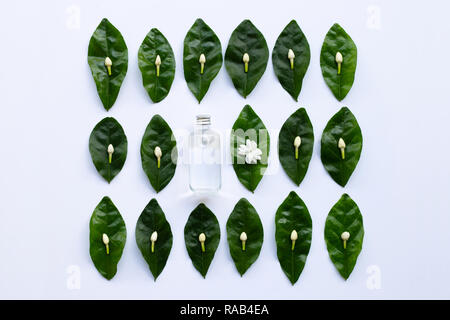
251	151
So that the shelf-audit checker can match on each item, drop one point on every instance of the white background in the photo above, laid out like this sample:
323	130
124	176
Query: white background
49	186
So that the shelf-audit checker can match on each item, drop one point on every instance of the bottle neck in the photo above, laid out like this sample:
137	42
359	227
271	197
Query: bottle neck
201	127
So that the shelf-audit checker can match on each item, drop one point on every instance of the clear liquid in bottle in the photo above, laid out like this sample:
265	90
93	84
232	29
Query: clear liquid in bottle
205	157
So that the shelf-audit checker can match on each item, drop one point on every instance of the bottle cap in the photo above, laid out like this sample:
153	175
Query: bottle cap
203	119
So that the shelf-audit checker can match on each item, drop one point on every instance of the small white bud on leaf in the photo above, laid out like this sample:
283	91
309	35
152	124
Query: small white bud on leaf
297	143
110	152
202	61
243	238
294	237
202	239
345	236
157	64
108	64
291	57
105	240
246	60
339	60
153	239
158	155
341	145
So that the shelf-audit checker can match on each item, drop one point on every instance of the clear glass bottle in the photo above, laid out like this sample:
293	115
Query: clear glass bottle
205	157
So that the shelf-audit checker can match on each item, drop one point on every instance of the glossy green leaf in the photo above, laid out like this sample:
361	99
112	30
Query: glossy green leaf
337	40
152	219
291	77
106	219
295	164
157	84
202	220
159	134
106	132
246	38
201	39
107	41
249	126
344	217
292	215
244	218
342	125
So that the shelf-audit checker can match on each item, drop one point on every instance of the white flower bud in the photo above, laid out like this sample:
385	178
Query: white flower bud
110	148
291	54
345	235
110	152
341	145
202	61
297	143
157	64
294	235
153	239
246	60
108	64
339	59
243	238
291	57
105	239
158	152
158	155
202	239
158	60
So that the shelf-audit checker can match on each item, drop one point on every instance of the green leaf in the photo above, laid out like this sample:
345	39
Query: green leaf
291	215
244	218
291	79
249	126
152	219
202	220
106	132
337	40
344	217
107	41
297	125
342	125
106	219
155	44
201	39
246	38
158	133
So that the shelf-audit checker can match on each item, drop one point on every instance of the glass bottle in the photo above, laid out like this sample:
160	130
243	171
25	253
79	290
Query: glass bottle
205	157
